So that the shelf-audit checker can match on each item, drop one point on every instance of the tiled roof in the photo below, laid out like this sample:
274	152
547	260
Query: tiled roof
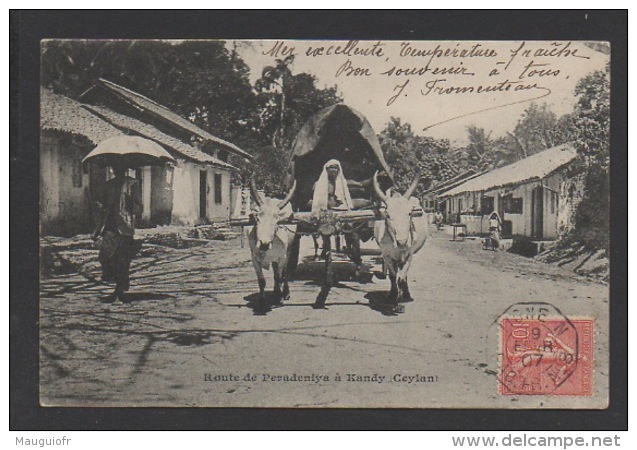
169	115
148	131
61	113
535	167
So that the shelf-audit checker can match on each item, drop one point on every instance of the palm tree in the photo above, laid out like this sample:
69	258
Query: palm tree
276	78
482	152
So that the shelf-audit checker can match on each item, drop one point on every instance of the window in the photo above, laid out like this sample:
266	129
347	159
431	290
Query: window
513	205
218	189
487	205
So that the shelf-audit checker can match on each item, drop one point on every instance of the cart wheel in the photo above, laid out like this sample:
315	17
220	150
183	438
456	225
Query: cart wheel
293	260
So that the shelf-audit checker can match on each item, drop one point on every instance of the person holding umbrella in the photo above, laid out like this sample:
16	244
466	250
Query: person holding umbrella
117	207
119	203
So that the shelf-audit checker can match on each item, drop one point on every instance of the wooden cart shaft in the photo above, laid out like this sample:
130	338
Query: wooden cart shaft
308	218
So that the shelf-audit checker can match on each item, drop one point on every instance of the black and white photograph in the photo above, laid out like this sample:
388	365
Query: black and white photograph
324	223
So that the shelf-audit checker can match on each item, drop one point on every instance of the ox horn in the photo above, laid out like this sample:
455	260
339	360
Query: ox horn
255	194
288	197
377	188
412	187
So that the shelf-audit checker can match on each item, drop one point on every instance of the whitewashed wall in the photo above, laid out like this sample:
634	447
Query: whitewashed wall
560	198
185	194
521	223
65	207
49	181
553	185
217	212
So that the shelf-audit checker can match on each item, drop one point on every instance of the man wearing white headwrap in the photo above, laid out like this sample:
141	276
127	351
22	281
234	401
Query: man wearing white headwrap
331	191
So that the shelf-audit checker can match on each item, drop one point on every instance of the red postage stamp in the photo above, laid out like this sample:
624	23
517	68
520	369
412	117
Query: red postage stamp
546	356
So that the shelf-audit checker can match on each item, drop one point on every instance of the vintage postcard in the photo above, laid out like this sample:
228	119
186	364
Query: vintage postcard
324	224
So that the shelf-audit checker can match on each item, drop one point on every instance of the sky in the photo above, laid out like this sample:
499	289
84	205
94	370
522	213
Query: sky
441	87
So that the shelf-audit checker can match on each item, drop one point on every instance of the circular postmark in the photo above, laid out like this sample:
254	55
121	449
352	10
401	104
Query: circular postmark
538	349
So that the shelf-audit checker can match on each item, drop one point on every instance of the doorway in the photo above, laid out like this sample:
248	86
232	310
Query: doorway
139	214
537	213
487	205
203	195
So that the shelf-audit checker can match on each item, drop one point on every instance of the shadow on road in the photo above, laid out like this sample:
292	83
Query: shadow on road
147	296
378	302
260	308
132	297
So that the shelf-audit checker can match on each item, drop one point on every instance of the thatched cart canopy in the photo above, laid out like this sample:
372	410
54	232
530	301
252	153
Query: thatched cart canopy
338	132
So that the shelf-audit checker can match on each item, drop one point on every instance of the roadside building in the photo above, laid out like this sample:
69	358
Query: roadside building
533	196
431	200
196	190
201	180
68	133
137	106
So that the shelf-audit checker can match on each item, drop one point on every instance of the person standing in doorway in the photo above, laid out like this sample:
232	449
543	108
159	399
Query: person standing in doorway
118	205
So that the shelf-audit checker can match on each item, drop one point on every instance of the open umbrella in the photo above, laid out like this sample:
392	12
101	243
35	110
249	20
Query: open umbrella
130	151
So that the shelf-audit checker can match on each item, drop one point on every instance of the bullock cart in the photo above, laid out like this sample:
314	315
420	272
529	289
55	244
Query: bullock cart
343	134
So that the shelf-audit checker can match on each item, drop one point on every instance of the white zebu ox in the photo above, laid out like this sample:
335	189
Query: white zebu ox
270	242
399	236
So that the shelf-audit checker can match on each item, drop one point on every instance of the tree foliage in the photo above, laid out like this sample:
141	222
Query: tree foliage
205	81
202	81
208	83
273	87
591	128
592	120
286	101
482	151
410	155
535	131
538	129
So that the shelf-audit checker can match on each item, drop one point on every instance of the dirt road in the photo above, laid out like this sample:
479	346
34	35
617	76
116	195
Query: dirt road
190	337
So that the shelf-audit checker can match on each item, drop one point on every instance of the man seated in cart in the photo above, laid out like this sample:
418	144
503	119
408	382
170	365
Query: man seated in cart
331	191
345	139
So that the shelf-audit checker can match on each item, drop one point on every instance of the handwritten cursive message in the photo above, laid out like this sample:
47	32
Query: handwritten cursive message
424	69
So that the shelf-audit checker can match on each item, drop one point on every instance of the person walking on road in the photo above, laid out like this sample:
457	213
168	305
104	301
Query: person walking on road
118	205
438	218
